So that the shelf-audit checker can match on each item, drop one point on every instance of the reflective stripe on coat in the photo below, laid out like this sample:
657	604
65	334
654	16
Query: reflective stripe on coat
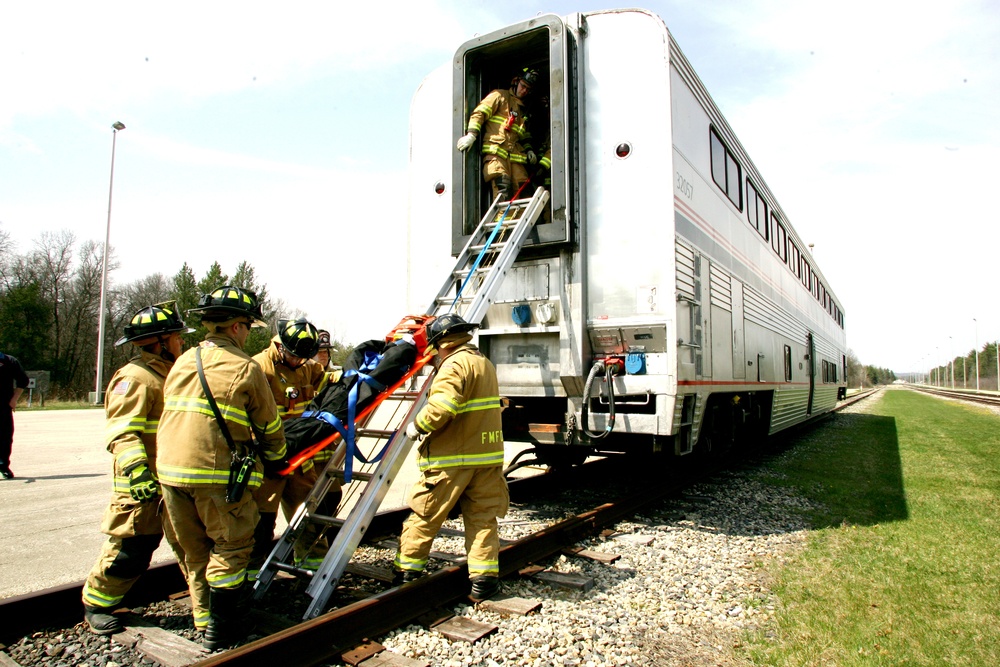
191	448
462	414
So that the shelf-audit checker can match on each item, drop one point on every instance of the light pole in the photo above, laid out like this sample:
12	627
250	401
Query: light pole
977	352
99	385
951	350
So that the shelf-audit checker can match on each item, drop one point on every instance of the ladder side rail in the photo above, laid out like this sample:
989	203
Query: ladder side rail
508	254
286	543
463	257
352	532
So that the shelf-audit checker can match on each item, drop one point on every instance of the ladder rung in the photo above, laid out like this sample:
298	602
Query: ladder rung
292	569
355	476
326	519
494	247
374	433
448	299
403	396
461	273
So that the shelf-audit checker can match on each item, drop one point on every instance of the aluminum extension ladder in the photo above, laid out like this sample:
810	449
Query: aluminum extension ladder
469	290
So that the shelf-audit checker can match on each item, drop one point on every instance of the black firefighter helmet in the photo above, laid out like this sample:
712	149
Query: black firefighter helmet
299	338
229	302
447	325
157	320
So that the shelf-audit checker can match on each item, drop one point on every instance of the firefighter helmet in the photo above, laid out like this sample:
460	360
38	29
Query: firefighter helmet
229	302
324	340
447	325
299	338
156	320
530	76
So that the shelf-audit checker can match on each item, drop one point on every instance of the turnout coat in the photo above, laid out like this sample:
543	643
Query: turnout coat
192	451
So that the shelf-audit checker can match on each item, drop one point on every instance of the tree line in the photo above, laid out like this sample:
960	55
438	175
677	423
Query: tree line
50	301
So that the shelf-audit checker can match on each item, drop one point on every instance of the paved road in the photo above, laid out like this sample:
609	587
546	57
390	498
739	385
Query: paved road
50	513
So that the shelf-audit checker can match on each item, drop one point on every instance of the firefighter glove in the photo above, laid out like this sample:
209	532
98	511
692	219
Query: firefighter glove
272	469
412	432
141	484
532	158
465	143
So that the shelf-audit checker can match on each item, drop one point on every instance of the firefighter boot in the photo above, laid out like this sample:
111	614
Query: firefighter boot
101	621
228	608
400	577
502	185
483	588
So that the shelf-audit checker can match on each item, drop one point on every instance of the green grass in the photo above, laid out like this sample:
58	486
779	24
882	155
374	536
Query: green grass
902	568
22	405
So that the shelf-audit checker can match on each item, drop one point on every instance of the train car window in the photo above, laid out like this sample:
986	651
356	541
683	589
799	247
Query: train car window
826	371
779	239
726	170
718	161
806	275
788	364
793	258
756	210
733	177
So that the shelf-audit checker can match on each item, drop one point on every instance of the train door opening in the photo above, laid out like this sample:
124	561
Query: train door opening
491	62
811	347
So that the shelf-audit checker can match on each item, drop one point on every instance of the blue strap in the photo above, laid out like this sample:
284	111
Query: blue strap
347	432
482	253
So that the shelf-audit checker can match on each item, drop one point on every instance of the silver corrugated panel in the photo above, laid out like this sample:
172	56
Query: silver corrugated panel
760	310
720	288
685	271
789	407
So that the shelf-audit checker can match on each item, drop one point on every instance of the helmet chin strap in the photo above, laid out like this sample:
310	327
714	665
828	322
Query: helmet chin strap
165	354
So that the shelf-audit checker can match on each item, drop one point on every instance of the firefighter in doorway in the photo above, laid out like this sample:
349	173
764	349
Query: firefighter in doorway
133	404
217	402
294	379
460	458
501	120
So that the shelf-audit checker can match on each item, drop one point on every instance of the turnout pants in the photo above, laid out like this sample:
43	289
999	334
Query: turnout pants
503	174
134	532
481	494
215	536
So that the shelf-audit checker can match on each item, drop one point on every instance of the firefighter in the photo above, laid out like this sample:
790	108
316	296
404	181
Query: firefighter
322	356
133	404
501	120
203	453
460	459
294	379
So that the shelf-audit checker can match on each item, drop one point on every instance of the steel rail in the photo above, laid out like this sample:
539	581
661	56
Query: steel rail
327	636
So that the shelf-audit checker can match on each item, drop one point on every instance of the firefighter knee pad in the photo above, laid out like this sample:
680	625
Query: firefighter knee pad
134	557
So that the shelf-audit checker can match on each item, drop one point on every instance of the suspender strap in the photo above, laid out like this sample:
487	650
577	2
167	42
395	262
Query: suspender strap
211	401
240	467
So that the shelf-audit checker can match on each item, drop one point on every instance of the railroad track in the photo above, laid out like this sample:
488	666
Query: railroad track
328	637
960	394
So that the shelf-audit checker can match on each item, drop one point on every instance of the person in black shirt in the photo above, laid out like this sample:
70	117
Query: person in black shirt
13	382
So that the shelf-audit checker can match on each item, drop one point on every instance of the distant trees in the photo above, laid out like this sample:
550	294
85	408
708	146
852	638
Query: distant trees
50	299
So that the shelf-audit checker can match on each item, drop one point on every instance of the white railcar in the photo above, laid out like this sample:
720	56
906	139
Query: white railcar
665	250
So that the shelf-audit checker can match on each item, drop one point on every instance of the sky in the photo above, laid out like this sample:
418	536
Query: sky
276	133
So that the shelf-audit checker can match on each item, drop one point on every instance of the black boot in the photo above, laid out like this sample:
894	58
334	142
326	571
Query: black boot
483	588
400	577
101	621
228	609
